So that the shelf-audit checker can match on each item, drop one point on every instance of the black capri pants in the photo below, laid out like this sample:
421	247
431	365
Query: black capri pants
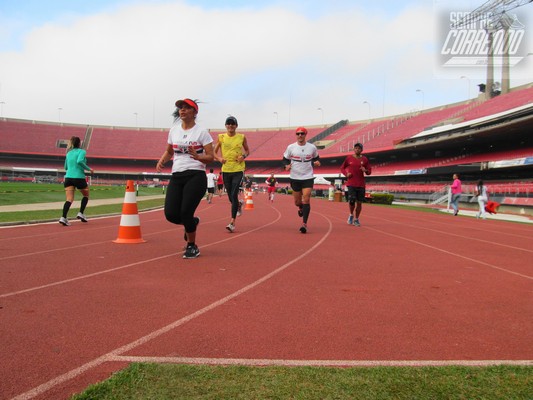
233	182
185	191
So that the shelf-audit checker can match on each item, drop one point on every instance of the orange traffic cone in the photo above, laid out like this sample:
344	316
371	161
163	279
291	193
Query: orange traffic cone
248	196
129	230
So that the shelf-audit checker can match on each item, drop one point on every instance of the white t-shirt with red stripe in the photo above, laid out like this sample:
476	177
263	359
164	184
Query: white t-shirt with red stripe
301	158
181	139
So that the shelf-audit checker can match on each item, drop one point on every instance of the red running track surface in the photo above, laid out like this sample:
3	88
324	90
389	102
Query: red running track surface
405	288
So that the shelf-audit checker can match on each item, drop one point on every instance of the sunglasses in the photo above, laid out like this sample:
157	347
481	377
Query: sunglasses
300	133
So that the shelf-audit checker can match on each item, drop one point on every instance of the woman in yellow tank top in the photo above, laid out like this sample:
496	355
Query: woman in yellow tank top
234	149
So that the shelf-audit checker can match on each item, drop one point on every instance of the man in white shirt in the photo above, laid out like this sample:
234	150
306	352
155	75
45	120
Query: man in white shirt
211	183
299	158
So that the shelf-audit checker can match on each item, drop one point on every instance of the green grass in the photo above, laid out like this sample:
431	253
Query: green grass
31	193
163	382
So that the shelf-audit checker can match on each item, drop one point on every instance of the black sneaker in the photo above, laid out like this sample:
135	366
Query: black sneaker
197	221
192	251
303	228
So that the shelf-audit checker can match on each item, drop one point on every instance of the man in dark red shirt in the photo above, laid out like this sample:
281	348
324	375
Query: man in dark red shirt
355	167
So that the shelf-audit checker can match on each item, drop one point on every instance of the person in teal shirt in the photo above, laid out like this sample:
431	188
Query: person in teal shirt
75	167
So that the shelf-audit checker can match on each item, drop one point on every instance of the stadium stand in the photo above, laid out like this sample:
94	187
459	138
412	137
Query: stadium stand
263	142
500	103
143	144
39	138
501	153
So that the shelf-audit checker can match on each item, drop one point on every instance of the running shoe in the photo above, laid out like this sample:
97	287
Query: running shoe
356	222
239	208
81	217
197	221
192	251
231	228
64	221
350	220
303	228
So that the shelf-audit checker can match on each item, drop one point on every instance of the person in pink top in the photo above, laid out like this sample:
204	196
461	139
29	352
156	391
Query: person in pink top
456	193
355	167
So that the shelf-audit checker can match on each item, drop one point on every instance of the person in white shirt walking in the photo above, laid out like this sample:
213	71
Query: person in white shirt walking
482	198
211	183
299	158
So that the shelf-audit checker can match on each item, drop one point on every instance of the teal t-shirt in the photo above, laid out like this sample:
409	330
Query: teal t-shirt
76	163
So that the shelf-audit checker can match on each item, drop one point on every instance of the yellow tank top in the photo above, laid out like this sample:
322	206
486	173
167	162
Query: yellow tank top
231	147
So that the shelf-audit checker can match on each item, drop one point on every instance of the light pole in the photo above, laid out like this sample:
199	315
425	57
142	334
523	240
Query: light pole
59	113
2	108
136	119
277	119
421	91
321	110
468	83
366	102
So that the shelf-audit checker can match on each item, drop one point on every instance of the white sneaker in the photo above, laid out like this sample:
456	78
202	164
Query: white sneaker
231	228
82	217
64	221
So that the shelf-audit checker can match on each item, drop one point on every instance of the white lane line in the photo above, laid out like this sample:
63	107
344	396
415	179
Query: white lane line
452	254
117	352
62	249
444	251
127	265
492	243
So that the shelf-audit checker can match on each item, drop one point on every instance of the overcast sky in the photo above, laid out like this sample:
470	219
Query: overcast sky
269	63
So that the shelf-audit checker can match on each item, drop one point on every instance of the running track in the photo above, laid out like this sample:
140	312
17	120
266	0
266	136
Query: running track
406	288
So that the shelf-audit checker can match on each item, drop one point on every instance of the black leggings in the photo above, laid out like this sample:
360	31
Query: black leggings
185	191
233	182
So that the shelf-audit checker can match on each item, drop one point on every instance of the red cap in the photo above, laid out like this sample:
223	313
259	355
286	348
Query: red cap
189	102
301	129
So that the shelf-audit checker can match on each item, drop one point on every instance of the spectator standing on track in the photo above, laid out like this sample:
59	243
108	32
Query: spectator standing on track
482	198
271	182
75	167
234	149
456	193
299	158
355	167
211	182
191	148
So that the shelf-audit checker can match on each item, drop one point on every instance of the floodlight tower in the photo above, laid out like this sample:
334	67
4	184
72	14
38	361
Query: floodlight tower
497	9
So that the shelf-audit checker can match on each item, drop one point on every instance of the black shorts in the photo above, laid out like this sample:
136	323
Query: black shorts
78	183
297	185
356	194
210	190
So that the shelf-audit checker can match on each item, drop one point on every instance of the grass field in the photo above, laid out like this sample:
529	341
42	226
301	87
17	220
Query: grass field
30	193
162	382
